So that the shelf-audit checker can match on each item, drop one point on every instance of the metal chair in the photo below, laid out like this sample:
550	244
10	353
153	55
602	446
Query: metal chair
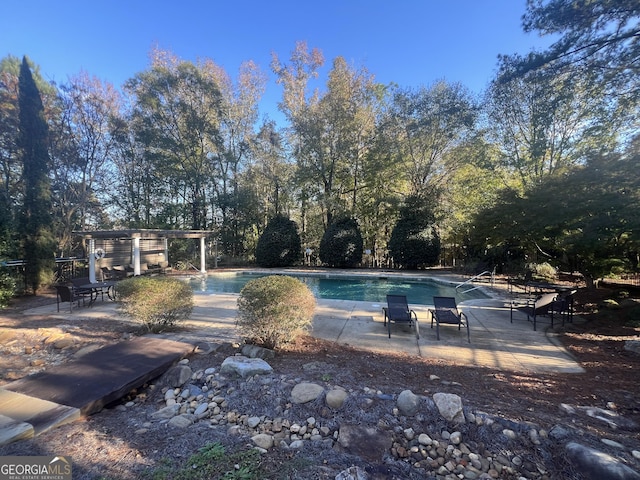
446	312
397	311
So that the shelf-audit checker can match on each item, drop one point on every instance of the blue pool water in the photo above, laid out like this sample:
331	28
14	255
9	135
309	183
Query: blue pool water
347	288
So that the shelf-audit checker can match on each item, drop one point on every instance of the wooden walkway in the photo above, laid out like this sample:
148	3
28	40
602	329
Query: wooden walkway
63	393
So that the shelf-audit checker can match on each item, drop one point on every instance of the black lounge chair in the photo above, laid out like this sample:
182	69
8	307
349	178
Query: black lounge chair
543	305
397	311
446	312
563	305
66	293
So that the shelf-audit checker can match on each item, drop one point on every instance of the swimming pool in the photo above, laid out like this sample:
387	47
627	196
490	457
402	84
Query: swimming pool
325	286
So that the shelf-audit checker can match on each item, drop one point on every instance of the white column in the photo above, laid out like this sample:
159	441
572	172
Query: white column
92	260
166	249
136	255
203	256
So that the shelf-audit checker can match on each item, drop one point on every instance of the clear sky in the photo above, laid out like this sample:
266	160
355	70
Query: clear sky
409	42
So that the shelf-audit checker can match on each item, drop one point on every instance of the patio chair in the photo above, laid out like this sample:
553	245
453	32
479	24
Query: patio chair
66	293
535	308
446	312
397	311
563	305
108	274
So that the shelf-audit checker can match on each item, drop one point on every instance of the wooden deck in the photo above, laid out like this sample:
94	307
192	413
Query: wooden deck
84	386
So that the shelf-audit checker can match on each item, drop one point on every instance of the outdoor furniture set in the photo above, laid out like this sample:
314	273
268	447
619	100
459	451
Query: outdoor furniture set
445	312
119	272
551	306
82	290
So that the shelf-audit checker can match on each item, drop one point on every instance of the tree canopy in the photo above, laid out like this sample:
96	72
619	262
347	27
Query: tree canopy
541	166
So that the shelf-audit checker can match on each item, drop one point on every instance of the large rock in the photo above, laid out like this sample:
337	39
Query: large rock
450	406
597	465
408	403
306	392
254	351
335	398
263	440
177	376
365	442
181	421
245	367
166	412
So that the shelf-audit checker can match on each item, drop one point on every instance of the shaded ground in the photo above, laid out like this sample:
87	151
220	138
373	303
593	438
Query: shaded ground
105	445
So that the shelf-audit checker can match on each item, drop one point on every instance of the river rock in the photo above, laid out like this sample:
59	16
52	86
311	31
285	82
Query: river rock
306	392
408	403
450	406
263	440
255	351
365	442
245	367
598	465
177	376
335	398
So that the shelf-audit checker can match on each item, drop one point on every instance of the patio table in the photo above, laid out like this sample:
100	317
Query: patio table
99	289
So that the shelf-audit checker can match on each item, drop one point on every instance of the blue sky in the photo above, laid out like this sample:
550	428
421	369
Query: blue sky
409	42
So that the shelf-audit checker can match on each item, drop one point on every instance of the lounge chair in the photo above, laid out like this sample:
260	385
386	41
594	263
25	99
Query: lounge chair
543	305
66	293
397	311
446	312
563	305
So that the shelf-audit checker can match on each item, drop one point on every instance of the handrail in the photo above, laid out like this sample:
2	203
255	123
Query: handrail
472	279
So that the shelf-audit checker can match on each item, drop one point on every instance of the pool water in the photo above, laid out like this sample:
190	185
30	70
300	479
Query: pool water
417	291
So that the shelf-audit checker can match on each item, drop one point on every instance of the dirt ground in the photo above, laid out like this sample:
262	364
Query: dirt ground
106	446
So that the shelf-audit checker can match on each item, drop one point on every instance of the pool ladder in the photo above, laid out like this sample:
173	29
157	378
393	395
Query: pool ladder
472	279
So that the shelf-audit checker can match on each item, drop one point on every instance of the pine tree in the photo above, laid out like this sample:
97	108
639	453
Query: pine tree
35	221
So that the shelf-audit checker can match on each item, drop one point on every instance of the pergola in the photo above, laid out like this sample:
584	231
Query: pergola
135	236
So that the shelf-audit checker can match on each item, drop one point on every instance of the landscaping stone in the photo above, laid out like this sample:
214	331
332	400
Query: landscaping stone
245	367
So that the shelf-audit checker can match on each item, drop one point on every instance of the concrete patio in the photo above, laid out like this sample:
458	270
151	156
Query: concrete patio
495	342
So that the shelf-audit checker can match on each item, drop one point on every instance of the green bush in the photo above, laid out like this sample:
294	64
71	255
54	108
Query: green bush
157	302
342	245
543	271
7	288
274	310
414	240
279	245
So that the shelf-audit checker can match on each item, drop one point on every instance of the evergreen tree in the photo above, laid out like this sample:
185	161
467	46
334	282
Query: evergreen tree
35	221
414	241
341	245
279	245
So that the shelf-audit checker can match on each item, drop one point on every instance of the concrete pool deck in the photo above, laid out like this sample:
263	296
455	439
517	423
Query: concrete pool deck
496	343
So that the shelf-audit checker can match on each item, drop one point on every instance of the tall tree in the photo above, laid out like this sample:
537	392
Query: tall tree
81	152
598	43
427	124
600	38
585	220
331	132
545	122
36	220
11	186
177	114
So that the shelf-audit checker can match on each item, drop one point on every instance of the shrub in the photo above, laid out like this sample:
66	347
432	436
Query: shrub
274	310
414	240
157	302
543	271
341	245
279	245
7	288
